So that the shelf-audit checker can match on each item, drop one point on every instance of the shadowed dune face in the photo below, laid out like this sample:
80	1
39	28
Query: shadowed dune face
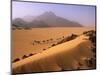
61	57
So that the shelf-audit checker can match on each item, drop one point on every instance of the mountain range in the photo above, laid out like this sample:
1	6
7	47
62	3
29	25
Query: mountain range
47	19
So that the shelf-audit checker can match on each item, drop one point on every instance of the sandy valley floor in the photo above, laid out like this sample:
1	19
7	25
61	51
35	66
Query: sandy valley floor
22	39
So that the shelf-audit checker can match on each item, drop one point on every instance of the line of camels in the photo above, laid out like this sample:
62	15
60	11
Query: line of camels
60	40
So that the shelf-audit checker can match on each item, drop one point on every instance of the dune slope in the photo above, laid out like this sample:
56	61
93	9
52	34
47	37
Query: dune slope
60	57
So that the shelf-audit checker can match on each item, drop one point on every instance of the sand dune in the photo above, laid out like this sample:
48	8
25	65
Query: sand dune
64	56
22	39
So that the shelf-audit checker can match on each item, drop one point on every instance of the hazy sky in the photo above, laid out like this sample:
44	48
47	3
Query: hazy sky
85	15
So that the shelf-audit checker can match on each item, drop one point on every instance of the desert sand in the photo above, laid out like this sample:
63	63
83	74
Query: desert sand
22	40
64	56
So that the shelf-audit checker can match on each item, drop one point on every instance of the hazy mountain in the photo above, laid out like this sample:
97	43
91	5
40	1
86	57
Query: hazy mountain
38	23
52	20
18	22
47	19
29	18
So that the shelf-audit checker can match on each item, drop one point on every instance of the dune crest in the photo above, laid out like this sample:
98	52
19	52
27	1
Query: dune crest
64	56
